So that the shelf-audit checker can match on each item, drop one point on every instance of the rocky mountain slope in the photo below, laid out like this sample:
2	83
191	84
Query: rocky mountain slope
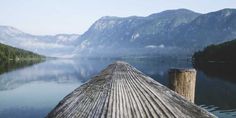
168	32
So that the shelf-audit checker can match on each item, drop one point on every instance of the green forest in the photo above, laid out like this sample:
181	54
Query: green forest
10	53
221	53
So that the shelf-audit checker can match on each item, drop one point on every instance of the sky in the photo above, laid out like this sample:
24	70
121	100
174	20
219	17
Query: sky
50	17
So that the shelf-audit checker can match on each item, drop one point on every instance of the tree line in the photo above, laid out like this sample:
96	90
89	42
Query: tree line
224	53
10	53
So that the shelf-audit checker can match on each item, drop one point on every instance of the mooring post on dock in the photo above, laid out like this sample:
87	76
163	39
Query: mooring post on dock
183	82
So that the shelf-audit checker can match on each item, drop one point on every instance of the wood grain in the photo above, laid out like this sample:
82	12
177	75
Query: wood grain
121	91
183	82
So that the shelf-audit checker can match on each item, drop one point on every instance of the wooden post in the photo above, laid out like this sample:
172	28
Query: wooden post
183	82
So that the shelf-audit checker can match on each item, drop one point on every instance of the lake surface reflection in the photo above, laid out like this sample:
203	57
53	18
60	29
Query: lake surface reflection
31	92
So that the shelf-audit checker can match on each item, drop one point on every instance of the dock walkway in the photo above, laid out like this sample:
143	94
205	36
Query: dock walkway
121	91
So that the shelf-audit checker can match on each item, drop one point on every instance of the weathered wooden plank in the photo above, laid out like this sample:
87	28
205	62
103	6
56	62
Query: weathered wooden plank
121	91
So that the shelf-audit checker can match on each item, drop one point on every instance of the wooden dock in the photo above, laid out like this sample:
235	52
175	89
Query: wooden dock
121	91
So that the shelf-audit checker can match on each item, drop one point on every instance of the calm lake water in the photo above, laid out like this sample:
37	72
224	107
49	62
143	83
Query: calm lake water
32	91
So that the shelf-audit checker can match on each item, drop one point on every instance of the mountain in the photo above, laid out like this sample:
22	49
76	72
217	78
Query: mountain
10	53
127	35
172	32
211	28
55	46
169	32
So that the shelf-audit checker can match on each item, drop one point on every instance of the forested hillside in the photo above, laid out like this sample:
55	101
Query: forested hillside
224	52
11	53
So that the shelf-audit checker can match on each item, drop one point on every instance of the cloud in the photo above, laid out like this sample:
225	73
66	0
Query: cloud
155	46
41	45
